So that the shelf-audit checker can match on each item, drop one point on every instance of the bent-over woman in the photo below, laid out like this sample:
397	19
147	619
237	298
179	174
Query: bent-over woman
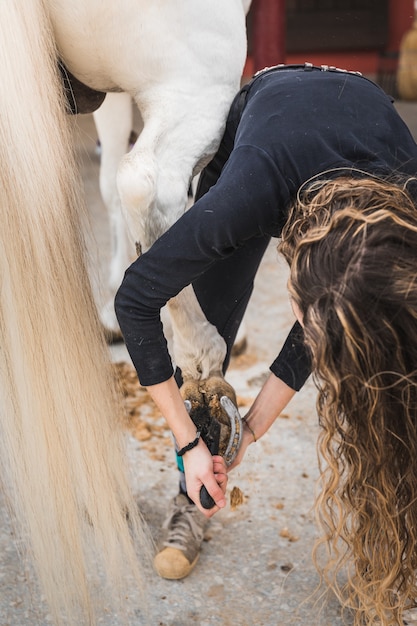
320	158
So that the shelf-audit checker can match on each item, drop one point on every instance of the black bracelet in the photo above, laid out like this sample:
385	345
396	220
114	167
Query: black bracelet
190	446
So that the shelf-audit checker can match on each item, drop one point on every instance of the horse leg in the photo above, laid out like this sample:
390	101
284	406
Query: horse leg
198	348
183	97
153	181
114	120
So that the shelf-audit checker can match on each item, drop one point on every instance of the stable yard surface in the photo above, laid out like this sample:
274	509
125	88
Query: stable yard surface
255	567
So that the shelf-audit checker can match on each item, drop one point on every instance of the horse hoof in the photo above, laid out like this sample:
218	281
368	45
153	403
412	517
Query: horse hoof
212	406
112	336
239	347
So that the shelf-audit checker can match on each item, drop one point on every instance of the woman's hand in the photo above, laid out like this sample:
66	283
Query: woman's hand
201	468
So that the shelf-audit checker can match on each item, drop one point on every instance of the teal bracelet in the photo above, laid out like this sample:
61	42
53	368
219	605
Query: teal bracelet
190	446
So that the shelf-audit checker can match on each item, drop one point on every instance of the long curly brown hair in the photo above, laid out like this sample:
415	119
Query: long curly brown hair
351	244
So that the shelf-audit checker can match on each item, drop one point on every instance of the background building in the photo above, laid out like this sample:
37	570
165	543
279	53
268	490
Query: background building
362	35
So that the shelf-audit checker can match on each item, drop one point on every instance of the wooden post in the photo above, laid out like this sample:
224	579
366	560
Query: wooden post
400	20
268	33
407	69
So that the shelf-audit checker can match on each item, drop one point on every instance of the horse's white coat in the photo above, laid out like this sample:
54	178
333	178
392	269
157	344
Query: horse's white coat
182	68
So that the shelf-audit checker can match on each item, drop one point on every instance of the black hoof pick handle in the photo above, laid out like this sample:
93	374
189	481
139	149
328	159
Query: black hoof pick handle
211	439
206	500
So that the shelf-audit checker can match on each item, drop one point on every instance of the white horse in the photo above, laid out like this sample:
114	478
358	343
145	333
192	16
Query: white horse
61	453
183	99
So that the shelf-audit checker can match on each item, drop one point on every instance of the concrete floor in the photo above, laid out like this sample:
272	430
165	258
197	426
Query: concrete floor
256	566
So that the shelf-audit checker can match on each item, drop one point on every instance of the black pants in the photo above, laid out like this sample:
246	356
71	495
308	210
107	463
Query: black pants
225	289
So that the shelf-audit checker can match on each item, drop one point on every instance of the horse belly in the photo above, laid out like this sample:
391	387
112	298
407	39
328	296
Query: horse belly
126	46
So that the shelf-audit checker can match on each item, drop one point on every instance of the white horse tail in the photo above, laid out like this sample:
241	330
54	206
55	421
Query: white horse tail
61	453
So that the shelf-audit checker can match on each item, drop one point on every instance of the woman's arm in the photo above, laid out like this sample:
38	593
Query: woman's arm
242	205
201	468
270	402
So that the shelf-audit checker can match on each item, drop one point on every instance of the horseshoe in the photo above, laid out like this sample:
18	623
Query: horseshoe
236	426
236	431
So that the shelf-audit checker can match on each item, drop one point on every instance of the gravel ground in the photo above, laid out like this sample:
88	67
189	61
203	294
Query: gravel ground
256	566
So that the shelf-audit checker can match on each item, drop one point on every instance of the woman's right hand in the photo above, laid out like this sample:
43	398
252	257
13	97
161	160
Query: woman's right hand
201	468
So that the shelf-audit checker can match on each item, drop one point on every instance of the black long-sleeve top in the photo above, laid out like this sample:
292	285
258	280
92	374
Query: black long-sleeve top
295	124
